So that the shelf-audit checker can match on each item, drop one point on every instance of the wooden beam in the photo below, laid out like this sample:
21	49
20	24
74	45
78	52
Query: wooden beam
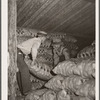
12	49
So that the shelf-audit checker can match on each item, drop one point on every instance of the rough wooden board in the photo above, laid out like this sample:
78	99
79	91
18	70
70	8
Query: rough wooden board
12	48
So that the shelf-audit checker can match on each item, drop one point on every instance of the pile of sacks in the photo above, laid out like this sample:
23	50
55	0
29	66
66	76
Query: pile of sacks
74	80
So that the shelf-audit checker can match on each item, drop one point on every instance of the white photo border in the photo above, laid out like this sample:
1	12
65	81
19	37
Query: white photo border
4	48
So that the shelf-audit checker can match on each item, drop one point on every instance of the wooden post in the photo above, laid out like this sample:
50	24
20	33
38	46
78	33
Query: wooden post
12	48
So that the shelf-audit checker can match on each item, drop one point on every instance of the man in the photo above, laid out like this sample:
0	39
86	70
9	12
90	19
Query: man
33	44
30	46
60	52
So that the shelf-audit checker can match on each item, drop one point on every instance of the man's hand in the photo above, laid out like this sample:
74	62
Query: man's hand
20	55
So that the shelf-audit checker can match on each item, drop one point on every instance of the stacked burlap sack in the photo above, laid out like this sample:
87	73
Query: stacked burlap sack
77	77
74	80
87	52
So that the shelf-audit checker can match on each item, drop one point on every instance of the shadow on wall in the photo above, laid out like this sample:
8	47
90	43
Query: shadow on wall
83	42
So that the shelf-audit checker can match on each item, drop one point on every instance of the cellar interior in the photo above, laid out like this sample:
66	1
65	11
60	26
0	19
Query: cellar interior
51	49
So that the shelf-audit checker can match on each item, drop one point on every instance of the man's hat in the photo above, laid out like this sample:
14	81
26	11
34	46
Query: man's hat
57	42
41	33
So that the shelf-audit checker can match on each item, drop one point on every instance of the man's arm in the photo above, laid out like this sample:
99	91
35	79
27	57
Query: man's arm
34	50
66	53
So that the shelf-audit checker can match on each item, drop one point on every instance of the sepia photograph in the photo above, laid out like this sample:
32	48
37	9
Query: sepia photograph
51	50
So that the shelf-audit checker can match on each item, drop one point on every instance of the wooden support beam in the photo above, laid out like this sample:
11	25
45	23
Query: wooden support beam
93	1
12	49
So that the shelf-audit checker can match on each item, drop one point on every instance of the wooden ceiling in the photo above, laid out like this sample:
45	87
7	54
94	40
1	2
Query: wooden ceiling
74	17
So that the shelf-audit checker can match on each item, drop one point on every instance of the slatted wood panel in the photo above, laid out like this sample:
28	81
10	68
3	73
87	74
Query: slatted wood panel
75	17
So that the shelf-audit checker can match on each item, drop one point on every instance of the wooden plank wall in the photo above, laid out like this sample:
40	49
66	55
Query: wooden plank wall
74	17
12	48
